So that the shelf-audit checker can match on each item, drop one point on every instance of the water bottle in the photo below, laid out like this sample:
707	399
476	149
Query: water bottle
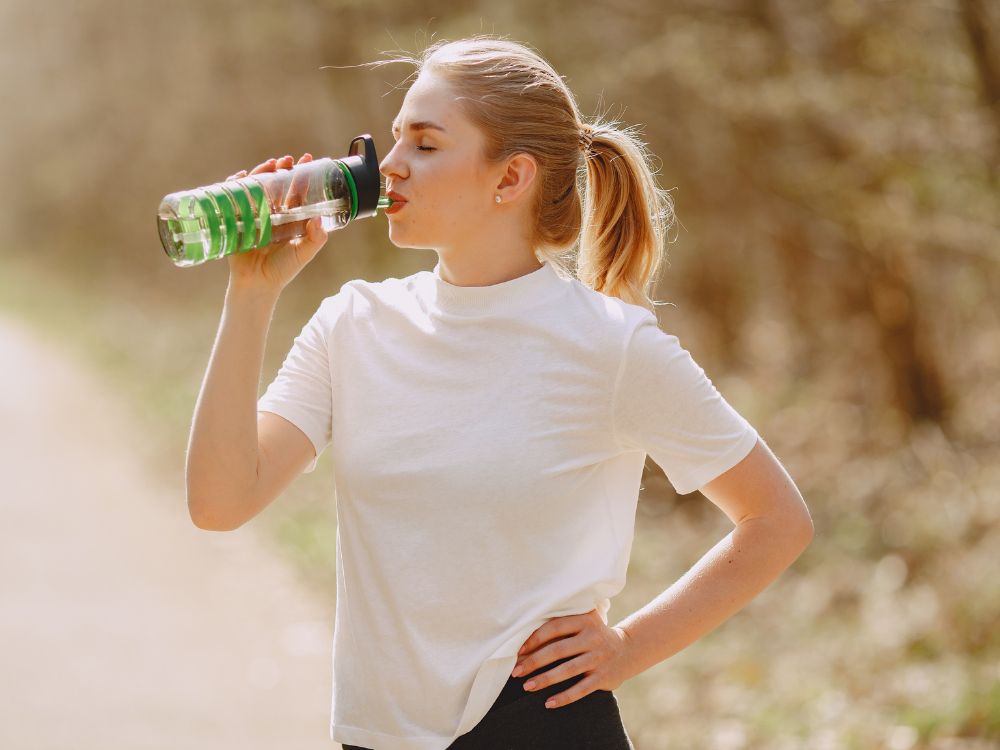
250	212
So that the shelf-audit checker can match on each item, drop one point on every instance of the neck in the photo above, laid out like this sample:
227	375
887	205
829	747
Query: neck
484	269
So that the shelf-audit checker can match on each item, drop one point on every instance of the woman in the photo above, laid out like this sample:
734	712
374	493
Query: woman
489	423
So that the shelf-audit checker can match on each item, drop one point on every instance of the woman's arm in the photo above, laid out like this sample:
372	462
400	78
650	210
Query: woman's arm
773	527
222	456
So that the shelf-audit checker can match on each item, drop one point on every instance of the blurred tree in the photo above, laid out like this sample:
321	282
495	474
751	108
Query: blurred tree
982	24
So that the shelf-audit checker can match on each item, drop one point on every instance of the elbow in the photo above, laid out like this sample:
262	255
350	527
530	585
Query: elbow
808	528
213	508
199	517
797	520
808	531
793	525
199	509
207	516
801	527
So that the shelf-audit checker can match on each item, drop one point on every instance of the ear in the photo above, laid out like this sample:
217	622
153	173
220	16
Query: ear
517	178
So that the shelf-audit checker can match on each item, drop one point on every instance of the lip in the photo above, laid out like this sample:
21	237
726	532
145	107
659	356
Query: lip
398	201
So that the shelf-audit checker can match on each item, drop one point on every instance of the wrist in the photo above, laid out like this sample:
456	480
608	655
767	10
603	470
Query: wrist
628	646
252	290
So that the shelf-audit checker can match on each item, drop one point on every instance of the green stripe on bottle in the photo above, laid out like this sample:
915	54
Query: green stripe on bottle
189	223
223	200
211	217
354	190
263	212
245	212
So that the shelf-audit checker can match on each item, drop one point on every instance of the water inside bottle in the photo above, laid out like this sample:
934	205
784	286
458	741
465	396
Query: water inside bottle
335	213
213	224
227	218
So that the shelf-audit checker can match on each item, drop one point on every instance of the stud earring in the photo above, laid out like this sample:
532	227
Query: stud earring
498	199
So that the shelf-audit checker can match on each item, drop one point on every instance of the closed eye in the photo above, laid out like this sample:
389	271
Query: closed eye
419	148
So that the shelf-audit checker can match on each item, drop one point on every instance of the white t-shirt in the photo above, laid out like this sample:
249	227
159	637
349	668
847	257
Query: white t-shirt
488	444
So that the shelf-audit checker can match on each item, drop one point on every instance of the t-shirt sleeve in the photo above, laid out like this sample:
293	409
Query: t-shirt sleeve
302	391
667	406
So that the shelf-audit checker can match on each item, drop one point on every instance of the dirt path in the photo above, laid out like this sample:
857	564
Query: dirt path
122	624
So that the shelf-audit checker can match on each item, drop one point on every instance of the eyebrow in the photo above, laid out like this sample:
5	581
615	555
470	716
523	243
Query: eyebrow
421	125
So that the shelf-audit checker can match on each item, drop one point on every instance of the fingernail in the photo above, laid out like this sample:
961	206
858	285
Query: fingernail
529	685
516	672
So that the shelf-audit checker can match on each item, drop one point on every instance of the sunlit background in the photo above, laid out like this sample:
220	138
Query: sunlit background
834	168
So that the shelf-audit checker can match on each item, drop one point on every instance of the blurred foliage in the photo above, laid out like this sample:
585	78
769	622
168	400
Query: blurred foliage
836	174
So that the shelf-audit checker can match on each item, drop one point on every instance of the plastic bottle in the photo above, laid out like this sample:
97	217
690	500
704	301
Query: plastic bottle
244	214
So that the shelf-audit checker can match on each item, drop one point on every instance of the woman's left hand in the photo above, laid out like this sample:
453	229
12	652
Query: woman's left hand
602	653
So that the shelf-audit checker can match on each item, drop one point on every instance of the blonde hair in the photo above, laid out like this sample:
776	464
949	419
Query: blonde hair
522	105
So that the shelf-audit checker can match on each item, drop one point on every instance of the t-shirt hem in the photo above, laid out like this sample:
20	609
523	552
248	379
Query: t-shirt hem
351	735
282	409
722	464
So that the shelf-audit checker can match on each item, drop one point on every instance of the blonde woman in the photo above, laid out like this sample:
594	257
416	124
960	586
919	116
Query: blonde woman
489	421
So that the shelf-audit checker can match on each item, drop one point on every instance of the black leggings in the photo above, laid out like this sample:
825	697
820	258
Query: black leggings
519	719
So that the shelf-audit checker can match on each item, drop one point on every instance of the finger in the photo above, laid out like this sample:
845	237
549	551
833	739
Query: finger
557	626
241	173
307	245
318	231
534	640
267	166
530	662
556	674
300	183
584	687
313	232
285	162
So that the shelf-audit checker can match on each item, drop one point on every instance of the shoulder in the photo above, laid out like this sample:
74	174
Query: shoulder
606	312
361	297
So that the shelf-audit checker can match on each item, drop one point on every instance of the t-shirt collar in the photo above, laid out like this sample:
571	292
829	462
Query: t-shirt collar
532	287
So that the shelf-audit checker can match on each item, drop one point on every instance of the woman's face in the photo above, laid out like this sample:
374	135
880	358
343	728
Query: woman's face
438	168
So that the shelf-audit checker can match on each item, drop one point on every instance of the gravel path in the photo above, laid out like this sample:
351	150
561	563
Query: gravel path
122	624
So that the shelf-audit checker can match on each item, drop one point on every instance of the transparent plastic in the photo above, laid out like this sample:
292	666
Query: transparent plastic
251	212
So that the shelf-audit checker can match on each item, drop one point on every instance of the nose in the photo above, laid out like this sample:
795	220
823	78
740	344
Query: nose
391	166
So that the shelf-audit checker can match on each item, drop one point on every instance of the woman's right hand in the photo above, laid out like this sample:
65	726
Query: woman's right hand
275	265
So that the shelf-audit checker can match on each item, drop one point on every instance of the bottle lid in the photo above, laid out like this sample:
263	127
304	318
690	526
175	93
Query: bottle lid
363	165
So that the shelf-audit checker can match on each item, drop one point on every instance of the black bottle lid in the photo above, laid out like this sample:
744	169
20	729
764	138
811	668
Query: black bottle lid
363	165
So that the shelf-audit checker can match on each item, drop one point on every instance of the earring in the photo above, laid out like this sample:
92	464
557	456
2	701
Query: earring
498	199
